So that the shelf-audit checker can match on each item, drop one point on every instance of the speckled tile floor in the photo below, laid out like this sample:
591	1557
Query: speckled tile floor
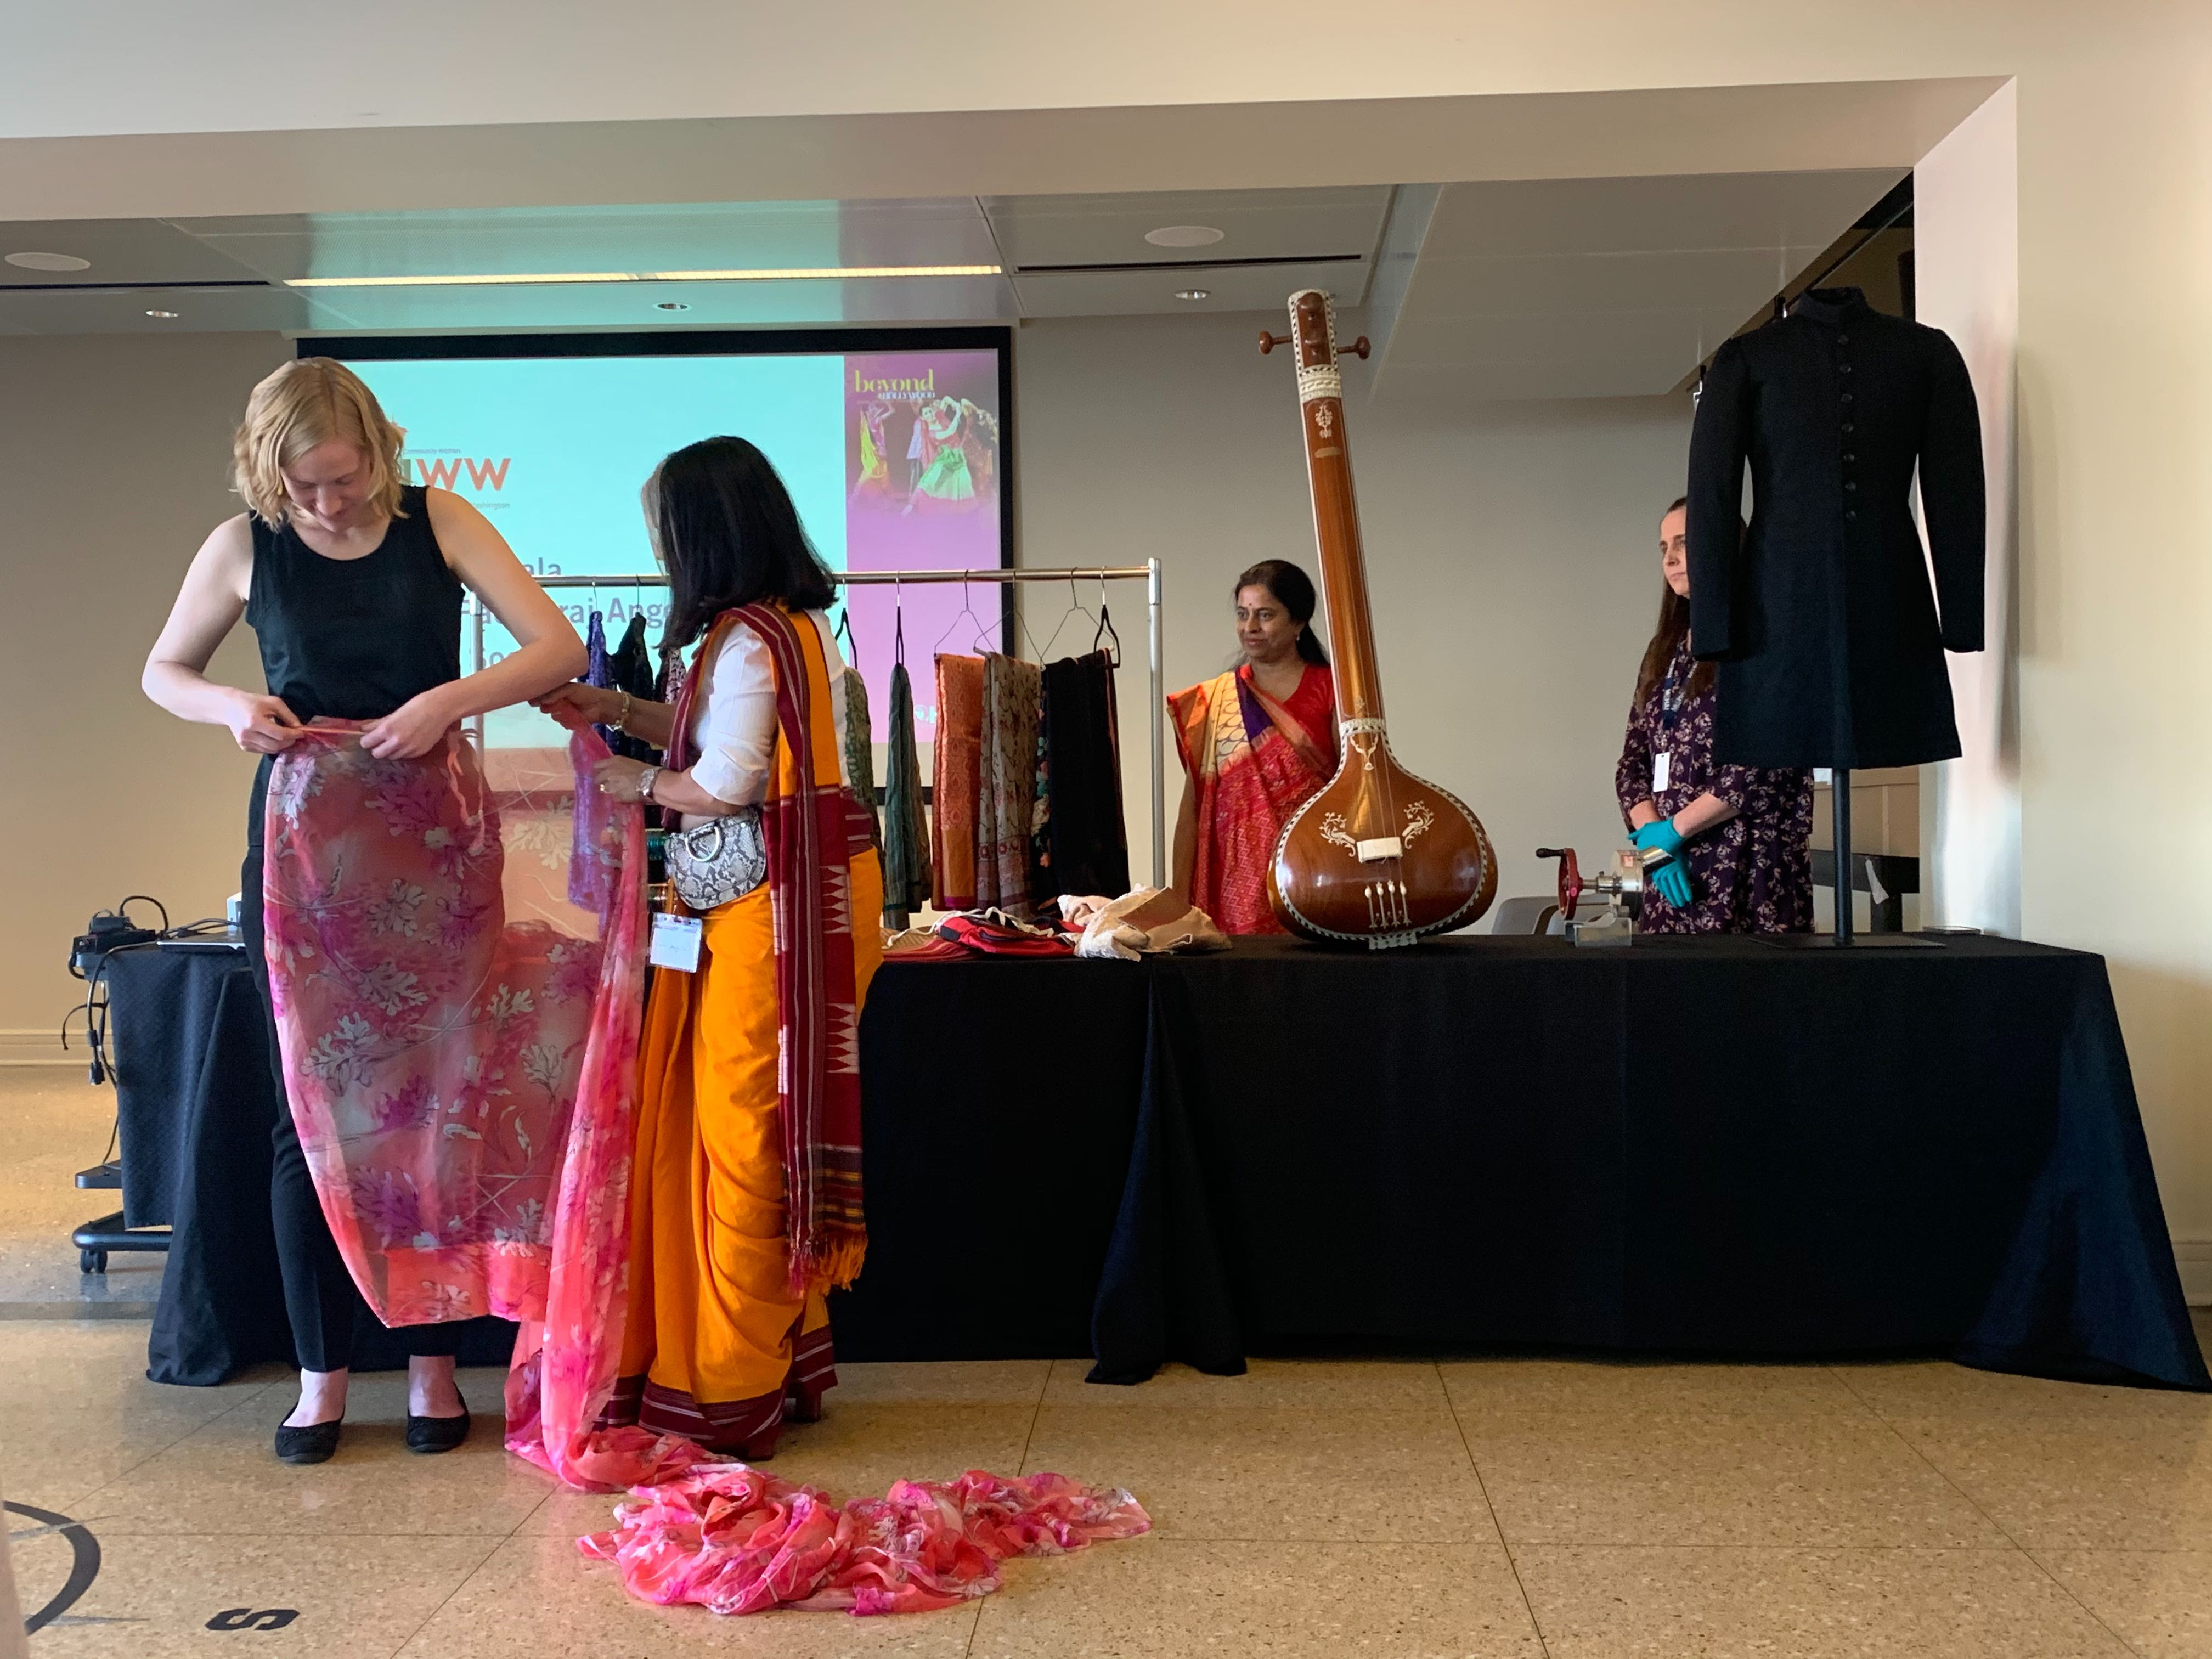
53	1123
1375	1508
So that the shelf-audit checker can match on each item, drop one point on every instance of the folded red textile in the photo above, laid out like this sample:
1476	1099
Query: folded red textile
993	933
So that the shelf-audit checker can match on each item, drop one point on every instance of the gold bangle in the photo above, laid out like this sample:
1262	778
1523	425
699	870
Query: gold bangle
621	721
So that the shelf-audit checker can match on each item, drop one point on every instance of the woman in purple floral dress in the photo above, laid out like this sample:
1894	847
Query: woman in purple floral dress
1737	834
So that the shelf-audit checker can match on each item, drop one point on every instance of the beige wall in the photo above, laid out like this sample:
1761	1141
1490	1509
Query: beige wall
112	453
1967	232
1512	551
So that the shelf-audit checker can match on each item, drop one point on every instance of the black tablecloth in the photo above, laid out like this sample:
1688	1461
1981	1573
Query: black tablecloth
1698	1145
163	1008
196	1100
998	1099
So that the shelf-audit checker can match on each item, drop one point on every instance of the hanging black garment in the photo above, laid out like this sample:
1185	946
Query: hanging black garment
1083	844
1829	645
631	663
906	874
628	667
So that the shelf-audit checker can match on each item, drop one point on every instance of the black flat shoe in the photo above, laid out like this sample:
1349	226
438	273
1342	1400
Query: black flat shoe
437	1434
312	1444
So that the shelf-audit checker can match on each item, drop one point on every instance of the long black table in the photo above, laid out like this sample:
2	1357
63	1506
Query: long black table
1705	1145
1695	1145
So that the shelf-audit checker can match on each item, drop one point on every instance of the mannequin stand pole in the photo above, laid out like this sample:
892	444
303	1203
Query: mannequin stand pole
1844	936
1839	792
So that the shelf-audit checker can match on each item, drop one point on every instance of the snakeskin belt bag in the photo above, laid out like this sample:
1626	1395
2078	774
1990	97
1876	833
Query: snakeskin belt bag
721	860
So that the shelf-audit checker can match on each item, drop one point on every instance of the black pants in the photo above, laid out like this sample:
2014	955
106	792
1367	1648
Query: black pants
321	1297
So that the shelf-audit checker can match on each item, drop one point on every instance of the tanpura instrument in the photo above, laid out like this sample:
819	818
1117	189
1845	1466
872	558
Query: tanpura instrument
1379	857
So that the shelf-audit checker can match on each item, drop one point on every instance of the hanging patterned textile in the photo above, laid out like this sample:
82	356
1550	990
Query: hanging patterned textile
955	780
1007	784
860	749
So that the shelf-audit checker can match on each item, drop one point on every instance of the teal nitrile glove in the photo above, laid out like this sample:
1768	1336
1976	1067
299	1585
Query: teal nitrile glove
1662	834
1672	883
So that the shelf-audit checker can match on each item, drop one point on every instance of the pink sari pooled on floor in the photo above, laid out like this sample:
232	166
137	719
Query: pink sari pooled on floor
456	953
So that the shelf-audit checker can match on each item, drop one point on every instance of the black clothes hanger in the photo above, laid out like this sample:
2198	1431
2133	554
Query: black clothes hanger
1107	631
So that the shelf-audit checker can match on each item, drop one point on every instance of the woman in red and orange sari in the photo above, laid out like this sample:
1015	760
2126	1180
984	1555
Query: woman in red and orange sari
1255	742
746	1201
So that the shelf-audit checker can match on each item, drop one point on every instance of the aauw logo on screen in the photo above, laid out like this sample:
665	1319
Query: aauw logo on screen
441	473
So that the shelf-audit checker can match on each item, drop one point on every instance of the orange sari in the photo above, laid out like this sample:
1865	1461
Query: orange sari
746	1203
1254	762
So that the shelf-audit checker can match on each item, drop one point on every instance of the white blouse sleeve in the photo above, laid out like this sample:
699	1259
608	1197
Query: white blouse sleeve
735	733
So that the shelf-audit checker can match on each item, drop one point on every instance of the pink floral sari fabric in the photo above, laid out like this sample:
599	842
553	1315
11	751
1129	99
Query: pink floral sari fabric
434	992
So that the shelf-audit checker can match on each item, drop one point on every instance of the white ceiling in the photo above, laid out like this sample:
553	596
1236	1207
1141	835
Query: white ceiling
1582	288
1521	288
1064	256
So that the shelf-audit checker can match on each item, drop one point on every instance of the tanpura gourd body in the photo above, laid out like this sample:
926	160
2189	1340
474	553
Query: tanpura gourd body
1379	857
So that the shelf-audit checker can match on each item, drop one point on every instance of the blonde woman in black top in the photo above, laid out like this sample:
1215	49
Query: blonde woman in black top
352	579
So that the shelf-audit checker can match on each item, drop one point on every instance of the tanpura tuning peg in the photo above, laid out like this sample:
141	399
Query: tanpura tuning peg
1269	341
1358	348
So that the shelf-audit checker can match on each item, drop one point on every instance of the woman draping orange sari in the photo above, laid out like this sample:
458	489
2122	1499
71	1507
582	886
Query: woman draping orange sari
748	1206
1253	761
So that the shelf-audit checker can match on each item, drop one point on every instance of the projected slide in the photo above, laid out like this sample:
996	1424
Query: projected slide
892	458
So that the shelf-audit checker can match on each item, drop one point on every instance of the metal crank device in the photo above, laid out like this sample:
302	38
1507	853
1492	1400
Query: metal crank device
1622	887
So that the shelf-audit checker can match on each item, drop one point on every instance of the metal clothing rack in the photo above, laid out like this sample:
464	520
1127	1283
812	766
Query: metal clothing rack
1148	573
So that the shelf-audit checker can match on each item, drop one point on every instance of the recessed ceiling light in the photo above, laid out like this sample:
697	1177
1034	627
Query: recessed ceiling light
1193	294
161	314
672	305
49	262
544	278
1184	236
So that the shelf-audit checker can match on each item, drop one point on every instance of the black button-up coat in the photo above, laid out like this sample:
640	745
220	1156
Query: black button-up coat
1830	644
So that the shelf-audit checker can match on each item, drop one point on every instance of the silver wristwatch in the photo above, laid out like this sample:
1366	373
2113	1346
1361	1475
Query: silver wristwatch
646	780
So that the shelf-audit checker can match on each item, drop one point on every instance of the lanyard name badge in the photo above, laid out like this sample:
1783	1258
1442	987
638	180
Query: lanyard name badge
675	943
1670	710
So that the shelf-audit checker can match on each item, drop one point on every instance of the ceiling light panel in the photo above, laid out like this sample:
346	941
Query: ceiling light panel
619	240
570	278
1184	236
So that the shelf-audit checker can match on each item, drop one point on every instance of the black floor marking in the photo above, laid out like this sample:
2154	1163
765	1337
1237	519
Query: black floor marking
248	1618
84	1564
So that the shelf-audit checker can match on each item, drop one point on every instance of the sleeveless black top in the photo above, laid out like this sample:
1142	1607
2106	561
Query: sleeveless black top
353	639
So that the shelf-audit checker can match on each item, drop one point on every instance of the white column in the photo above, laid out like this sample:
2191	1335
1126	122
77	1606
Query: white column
1965	239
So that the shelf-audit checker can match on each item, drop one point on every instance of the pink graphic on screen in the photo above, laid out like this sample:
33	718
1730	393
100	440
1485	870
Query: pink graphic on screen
923	493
